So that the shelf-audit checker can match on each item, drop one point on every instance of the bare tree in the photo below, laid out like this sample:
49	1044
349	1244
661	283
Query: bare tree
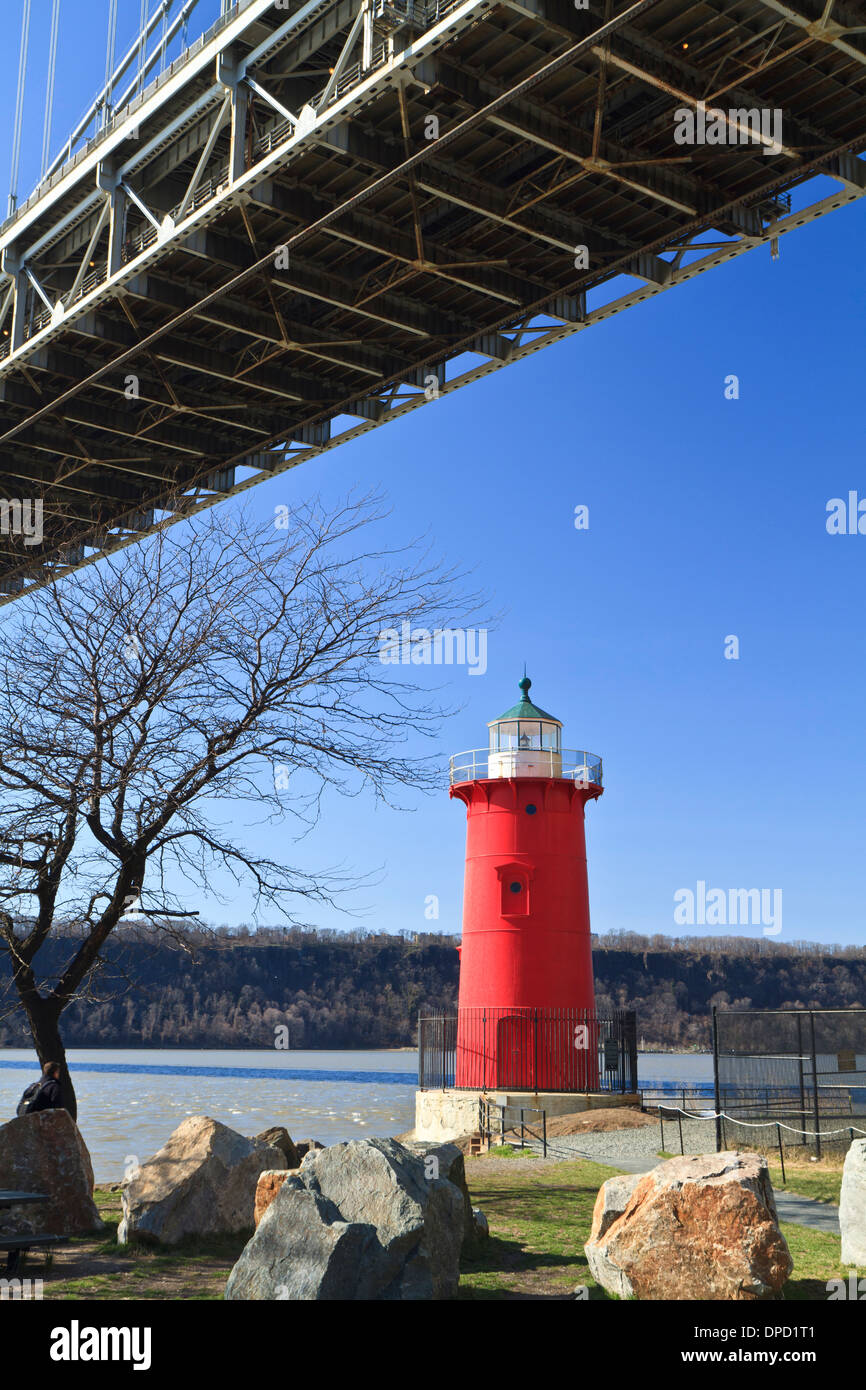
147	699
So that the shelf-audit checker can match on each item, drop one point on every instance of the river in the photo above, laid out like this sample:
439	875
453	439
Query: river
129	1101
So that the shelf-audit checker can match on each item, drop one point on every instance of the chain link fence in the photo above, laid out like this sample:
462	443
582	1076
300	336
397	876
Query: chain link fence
797	1077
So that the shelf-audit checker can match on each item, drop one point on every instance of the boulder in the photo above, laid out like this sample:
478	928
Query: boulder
852	1206
702	1227
481	1226
267	1187
279	1138
305	1146
449	1163
201	1182
303	1250
357	1221
45	1152
612	1200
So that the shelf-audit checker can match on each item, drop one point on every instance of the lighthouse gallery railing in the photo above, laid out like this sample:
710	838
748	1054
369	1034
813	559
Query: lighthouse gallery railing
482	764
511	1048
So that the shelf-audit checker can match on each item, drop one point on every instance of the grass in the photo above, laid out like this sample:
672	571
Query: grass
540	1214
822	1180
540	1217
96	1267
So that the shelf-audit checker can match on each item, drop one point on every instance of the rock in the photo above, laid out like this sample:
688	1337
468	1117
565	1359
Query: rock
852	1206
45	1152
302	1250
201	1182
449	1162
279	1138
267	1187
358	1221
306	1146
700	1227
481	1225
612	1200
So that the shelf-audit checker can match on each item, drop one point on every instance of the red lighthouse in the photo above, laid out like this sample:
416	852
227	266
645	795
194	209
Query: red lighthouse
526	1004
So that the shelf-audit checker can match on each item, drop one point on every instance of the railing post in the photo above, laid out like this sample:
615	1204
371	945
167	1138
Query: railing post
662	1129
484	1049
444	1069
815	1086
716	1088
800	1066
535	1050
544	1132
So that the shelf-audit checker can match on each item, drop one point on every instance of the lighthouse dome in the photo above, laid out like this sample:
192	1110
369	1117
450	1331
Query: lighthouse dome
525	709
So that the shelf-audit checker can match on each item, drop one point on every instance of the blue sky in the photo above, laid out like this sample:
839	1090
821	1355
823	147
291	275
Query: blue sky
707	518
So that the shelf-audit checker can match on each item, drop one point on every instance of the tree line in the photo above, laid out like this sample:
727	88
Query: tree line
237	987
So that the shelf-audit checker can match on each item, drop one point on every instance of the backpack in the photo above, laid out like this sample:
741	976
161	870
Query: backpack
26	1102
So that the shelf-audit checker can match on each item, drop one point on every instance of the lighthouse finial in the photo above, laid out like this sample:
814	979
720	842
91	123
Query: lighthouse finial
525	684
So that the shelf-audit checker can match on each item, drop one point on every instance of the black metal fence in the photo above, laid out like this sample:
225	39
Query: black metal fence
801	1069
529	1050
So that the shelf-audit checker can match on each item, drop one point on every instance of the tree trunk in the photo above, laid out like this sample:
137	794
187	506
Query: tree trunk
44	1022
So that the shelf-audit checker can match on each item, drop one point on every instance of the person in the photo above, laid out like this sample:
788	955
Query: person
43	1094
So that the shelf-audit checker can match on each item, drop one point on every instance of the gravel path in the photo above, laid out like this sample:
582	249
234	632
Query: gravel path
699	1136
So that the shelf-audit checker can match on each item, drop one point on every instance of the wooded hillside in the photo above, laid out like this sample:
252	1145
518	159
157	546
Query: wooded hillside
355	990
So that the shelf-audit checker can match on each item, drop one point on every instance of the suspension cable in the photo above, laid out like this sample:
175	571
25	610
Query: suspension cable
142	43
162	40
19	108
111	44
49	86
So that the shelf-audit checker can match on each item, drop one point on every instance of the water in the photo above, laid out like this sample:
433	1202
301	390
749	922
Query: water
129	1101
676	1071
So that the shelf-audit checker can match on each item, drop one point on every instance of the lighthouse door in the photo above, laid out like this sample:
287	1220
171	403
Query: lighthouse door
514	1053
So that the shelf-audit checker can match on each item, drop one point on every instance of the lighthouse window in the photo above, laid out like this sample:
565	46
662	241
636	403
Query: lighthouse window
516	887
530	735
505	735
531	810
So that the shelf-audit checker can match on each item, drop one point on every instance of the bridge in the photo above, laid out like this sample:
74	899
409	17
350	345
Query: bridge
321	216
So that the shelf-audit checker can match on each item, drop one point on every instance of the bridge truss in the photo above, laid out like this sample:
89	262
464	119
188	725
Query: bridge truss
326	214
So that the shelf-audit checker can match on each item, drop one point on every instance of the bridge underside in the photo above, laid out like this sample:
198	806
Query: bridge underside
325	216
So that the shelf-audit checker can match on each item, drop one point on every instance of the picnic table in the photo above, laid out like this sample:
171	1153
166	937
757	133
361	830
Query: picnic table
17	1246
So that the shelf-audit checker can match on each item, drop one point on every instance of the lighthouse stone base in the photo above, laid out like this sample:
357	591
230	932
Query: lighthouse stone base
449	1113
